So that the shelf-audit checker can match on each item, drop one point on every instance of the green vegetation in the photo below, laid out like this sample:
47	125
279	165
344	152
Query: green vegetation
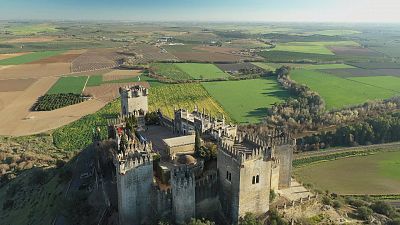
30	199
335	32
339	92
267	66
78	134
246	100
320	66
50	102
95	80
32	29
286	56
185	96
170	70
68	85
379	174
312	47
386	82
29	57
202	70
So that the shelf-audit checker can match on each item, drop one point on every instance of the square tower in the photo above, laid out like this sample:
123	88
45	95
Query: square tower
244	168
134	100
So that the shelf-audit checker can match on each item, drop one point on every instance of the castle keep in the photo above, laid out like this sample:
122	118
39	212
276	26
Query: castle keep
181	187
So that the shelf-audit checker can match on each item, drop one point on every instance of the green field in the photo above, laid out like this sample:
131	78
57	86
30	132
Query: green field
68	85
335	32
184	96
273	66
202	70
95	80
34	205
170	70
386	82
312	47
29	57
372	174
339	92
247	100
32	29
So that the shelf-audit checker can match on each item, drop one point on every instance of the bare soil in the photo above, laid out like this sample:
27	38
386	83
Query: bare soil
34	70
65	58
121	74
12	55
31	40
207	57
13	85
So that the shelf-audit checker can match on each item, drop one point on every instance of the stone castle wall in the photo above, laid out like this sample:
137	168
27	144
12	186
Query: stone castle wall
135	194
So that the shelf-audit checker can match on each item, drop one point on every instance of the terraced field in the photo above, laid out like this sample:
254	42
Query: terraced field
247	100
202	70
339	92
372	174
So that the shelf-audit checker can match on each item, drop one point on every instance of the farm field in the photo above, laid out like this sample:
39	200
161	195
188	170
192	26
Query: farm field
339	92
32	29
312	47
273	66
335	32
202	71
185	96
170	70
286	56
247	100
68	85
372	174
31	57
385	82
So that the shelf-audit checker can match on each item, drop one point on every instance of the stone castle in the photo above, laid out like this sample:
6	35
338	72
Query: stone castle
181	187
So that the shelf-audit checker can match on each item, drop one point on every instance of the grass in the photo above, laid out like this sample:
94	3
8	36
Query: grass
170	70
32	29
372	174
95	80
273	66
201	70
386	82
267	66
339	92
286	56
321	66
29	57
335	32
185	96
68	85
32	205
247	100
312	47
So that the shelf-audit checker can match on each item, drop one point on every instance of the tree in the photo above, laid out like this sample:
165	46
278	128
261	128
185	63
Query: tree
249	219
123	145
394	222
131	123
200	222
39	177
197	142
275	219
382	207
364	212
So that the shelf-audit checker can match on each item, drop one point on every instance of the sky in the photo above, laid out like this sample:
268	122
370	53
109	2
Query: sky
204	10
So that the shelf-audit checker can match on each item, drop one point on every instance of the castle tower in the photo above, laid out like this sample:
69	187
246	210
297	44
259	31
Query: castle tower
284	154
183	194
244	179
134	100
134	173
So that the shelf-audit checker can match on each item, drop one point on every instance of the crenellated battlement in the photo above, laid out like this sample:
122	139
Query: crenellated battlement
128	161
183	177
133	91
